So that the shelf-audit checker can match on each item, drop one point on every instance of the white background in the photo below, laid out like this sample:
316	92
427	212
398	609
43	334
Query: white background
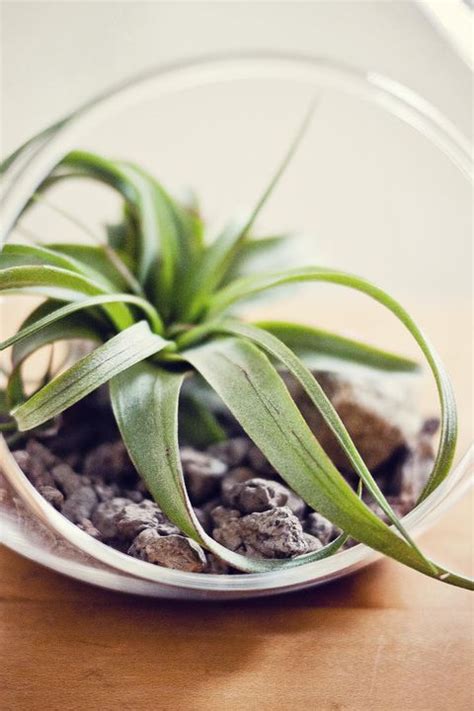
57	54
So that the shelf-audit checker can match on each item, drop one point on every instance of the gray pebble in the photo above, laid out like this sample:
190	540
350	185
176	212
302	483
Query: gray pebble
203	474
233	451
313	544
80	504
104	514
67	479
133	518
259	462
105	492
276	533
38	451
235	476
108	461
34	468
216	566
320	527
260	495
172	551
222	514
227	527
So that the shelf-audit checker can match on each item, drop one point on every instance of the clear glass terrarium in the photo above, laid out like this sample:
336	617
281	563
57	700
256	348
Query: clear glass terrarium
379	187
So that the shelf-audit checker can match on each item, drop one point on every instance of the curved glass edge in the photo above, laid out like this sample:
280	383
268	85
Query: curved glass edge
396	98
172	583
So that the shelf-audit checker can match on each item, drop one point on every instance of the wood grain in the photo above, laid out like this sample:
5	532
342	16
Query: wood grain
384	639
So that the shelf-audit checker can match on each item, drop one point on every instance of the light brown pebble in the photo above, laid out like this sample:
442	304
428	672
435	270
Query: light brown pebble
52	495
172	551
88	527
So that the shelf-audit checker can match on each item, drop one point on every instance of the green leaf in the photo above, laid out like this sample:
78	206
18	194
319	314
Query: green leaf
159	218
253	391
274	347
197	425
42	328
159	232
58	314
18	255
123	237
218	257
74	326
119	353
96	263
145	401
310	343
60	284
243	288
252	252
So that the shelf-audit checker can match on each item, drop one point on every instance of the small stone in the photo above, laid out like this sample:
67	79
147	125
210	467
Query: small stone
320	527
109	461
235	476
86	525
221	514
80	504
34	468
413	471
259	462
38	451
216	566
379	413
261	495
232	452
203	474
52	495
313	544
227	527
103	516
67	479
105	492
133	495
276	533
166	528
172	551
23	460
203	517
133	518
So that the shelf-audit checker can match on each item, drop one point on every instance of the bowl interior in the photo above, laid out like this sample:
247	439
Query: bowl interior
378	187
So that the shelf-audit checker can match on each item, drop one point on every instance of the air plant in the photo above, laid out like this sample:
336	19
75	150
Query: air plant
159	302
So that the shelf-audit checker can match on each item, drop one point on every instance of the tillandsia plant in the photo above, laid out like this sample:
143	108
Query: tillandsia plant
159	302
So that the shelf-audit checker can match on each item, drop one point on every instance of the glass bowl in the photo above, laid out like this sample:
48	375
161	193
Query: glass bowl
380	186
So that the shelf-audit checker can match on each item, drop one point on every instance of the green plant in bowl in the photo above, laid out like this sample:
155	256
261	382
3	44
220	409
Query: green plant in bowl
158	299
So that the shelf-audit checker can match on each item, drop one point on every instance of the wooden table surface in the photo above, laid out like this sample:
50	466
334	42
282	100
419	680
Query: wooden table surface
385	638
